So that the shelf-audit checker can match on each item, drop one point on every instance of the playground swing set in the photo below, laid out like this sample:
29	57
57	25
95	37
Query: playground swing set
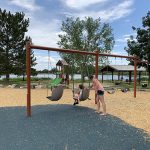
62	78
105	68
58	74
85	92
58	91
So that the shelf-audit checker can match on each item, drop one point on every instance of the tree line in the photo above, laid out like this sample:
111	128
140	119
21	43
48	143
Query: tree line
86	34
12	44
140	44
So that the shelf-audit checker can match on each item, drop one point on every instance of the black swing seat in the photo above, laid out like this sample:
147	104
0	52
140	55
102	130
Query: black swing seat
144	85
85	94
111	91
125	90
56	93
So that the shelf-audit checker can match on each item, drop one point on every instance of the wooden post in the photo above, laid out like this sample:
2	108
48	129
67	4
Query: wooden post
96	69
102	76
28	72
118	76
122	76
130	75
139	77
135	75
112	76
96	64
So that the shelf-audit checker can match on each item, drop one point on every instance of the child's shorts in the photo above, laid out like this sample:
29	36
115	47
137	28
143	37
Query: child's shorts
99	92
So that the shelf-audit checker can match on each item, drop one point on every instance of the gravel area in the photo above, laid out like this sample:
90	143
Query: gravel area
62	126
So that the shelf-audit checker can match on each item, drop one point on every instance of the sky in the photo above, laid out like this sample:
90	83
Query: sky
46	17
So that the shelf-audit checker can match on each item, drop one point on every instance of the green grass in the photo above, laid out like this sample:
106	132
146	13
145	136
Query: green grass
108	83
19	81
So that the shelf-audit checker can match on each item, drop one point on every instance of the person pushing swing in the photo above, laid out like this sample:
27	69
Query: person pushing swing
99	90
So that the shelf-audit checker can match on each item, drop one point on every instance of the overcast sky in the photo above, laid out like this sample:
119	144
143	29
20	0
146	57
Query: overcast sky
46	17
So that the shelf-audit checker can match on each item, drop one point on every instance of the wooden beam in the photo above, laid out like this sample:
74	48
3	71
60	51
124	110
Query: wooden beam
28	72
135	75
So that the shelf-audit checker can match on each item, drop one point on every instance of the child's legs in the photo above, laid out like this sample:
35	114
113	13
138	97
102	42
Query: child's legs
76	97
101	98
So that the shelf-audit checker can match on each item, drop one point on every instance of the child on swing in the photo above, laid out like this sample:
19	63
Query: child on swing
78	94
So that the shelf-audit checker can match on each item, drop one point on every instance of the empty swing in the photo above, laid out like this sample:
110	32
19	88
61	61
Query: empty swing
57	91
124	90
111	91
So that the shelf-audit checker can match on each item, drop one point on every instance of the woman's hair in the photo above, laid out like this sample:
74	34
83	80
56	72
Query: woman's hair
81	86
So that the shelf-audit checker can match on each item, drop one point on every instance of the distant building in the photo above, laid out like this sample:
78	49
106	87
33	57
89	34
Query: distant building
121	69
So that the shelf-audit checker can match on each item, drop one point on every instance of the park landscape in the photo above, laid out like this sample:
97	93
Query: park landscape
29	120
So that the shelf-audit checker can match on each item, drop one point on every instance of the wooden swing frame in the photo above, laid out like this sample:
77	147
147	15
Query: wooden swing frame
29	46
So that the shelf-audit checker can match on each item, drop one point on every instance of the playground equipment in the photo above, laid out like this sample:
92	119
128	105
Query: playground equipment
85	94
29	46
124	90
54	83
56	93
111	91
62	67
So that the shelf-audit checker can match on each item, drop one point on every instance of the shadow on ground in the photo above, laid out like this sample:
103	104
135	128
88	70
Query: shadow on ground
66	127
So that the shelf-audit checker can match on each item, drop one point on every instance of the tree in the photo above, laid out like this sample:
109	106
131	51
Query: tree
12	42
20	62
85	35
140	46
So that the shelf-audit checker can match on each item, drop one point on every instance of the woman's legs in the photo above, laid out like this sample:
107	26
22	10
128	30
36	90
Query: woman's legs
98	103
101	98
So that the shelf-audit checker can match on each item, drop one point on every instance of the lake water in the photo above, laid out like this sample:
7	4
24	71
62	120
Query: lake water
76	76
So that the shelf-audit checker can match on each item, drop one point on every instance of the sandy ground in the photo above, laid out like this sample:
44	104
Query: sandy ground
134	111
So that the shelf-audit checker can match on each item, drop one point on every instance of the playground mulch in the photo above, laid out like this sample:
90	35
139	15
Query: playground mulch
60	125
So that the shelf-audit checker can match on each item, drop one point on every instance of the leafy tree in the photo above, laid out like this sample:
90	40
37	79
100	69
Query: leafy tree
53	70
140	46
84	35
12	42
20	63
45	71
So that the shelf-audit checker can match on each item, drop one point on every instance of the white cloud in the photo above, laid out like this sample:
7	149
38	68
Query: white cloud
27	4
118	61
45	59
80	4
43	33
111	13
46	62
117	45
125	38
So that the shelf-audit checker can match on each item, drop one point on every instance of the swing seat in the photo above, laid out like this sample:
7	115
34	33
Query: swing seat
85	94
144	85
56	93
125	90
111	91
